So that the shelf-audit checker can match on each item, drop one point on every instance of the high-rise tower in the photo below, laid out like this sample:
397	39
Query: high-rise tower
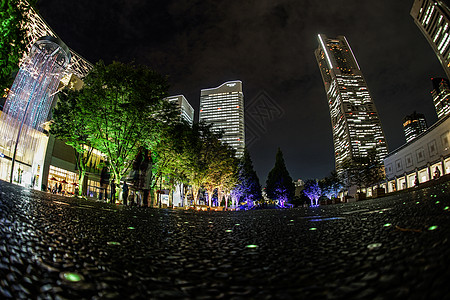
356	126
184	107
433	19
441	96
414	125
223	107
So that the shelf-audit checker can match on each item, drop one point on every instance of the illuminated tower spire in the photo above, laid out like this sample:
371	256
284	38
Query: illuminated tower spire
356	125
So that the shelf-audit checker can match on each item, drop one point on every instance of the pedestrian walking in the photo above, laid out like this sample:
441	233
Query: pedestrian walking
416	182
60	188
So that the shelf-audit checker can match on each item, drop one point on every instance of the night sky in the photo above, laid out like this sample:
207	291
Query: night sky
269	45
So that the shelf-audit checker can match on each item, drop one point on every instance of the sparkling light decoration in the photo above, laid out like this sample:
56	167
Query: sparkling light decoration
31	96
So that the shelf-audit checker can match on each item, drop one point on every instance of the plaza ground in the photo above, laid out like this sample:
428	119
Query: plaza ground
395	247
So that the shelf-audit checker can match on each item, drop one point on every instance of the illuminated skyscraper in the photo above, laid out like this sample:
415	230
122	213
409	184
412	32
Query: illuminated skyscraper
414	125
356	125
441	96
186	110
433	19
223	107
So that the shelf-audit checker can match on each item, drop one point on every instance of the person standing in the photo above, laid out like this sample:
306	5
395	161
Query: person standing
113	192
145	174
125	193
104	180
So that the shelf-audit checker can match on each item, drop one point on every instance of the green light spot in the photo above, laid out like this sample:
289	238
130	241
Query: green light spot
228	230
313	228
387	225
374	246
72	277
432	227
437	202
404	202
210	222
130	227
446	208
252	246
417	202
237	224
186	222
113	243
292	220
380	212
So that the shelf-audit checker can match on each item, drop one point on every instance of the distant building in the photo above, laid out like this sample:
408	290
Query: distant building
433	19
186	110
441	96
354	119
420	158
223	107
414	125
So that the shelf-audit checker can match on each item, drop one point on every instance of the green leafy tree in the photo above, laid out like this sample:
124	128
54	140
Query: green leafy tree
171	155
13	38
125	106
70	125
279	184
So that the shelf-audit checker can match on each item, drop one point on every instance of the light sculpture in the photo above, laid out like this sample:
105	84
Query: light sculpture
31	96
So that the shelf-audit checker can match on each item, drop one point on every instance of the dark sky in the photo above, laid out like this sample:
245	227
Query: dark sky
269	45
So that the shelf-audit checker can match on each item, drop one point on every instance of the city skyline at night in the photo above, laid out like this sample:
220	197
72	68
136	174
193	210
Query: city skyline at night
269	46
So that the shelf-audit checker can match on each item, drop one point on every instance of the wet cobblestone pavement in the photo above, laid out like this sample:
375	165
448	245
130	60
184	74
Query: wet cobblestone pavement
395	247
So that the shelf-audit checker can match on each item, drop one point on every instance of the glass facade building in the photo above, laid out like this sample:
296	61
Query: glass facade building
414	125
355	122
441	96
433	19
223	107
185	108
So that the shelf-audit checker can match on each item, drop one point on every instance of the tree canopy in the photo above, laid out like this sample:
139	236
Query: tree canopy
13	39
248	188
279	184
126	110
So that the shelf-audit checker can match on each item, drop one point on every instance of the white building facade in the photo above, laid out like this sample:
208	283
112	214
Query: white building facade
185	108
421	157
223	107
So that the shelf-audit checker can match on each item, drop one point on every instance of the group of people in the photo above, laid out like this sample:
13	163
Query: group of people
135	189
57	189
437	175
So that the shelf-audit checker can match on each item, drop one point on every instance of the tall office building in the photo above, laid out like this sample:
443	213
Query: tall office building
441	96
185	108
223	107
433	19
356	125
414	125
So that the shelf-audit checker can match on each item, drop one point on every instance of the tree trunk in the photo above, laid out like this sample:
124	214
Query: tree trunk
81	175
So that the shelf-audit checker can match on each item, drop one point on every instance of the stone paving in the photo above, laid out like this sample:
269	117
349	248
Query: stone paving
396	247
